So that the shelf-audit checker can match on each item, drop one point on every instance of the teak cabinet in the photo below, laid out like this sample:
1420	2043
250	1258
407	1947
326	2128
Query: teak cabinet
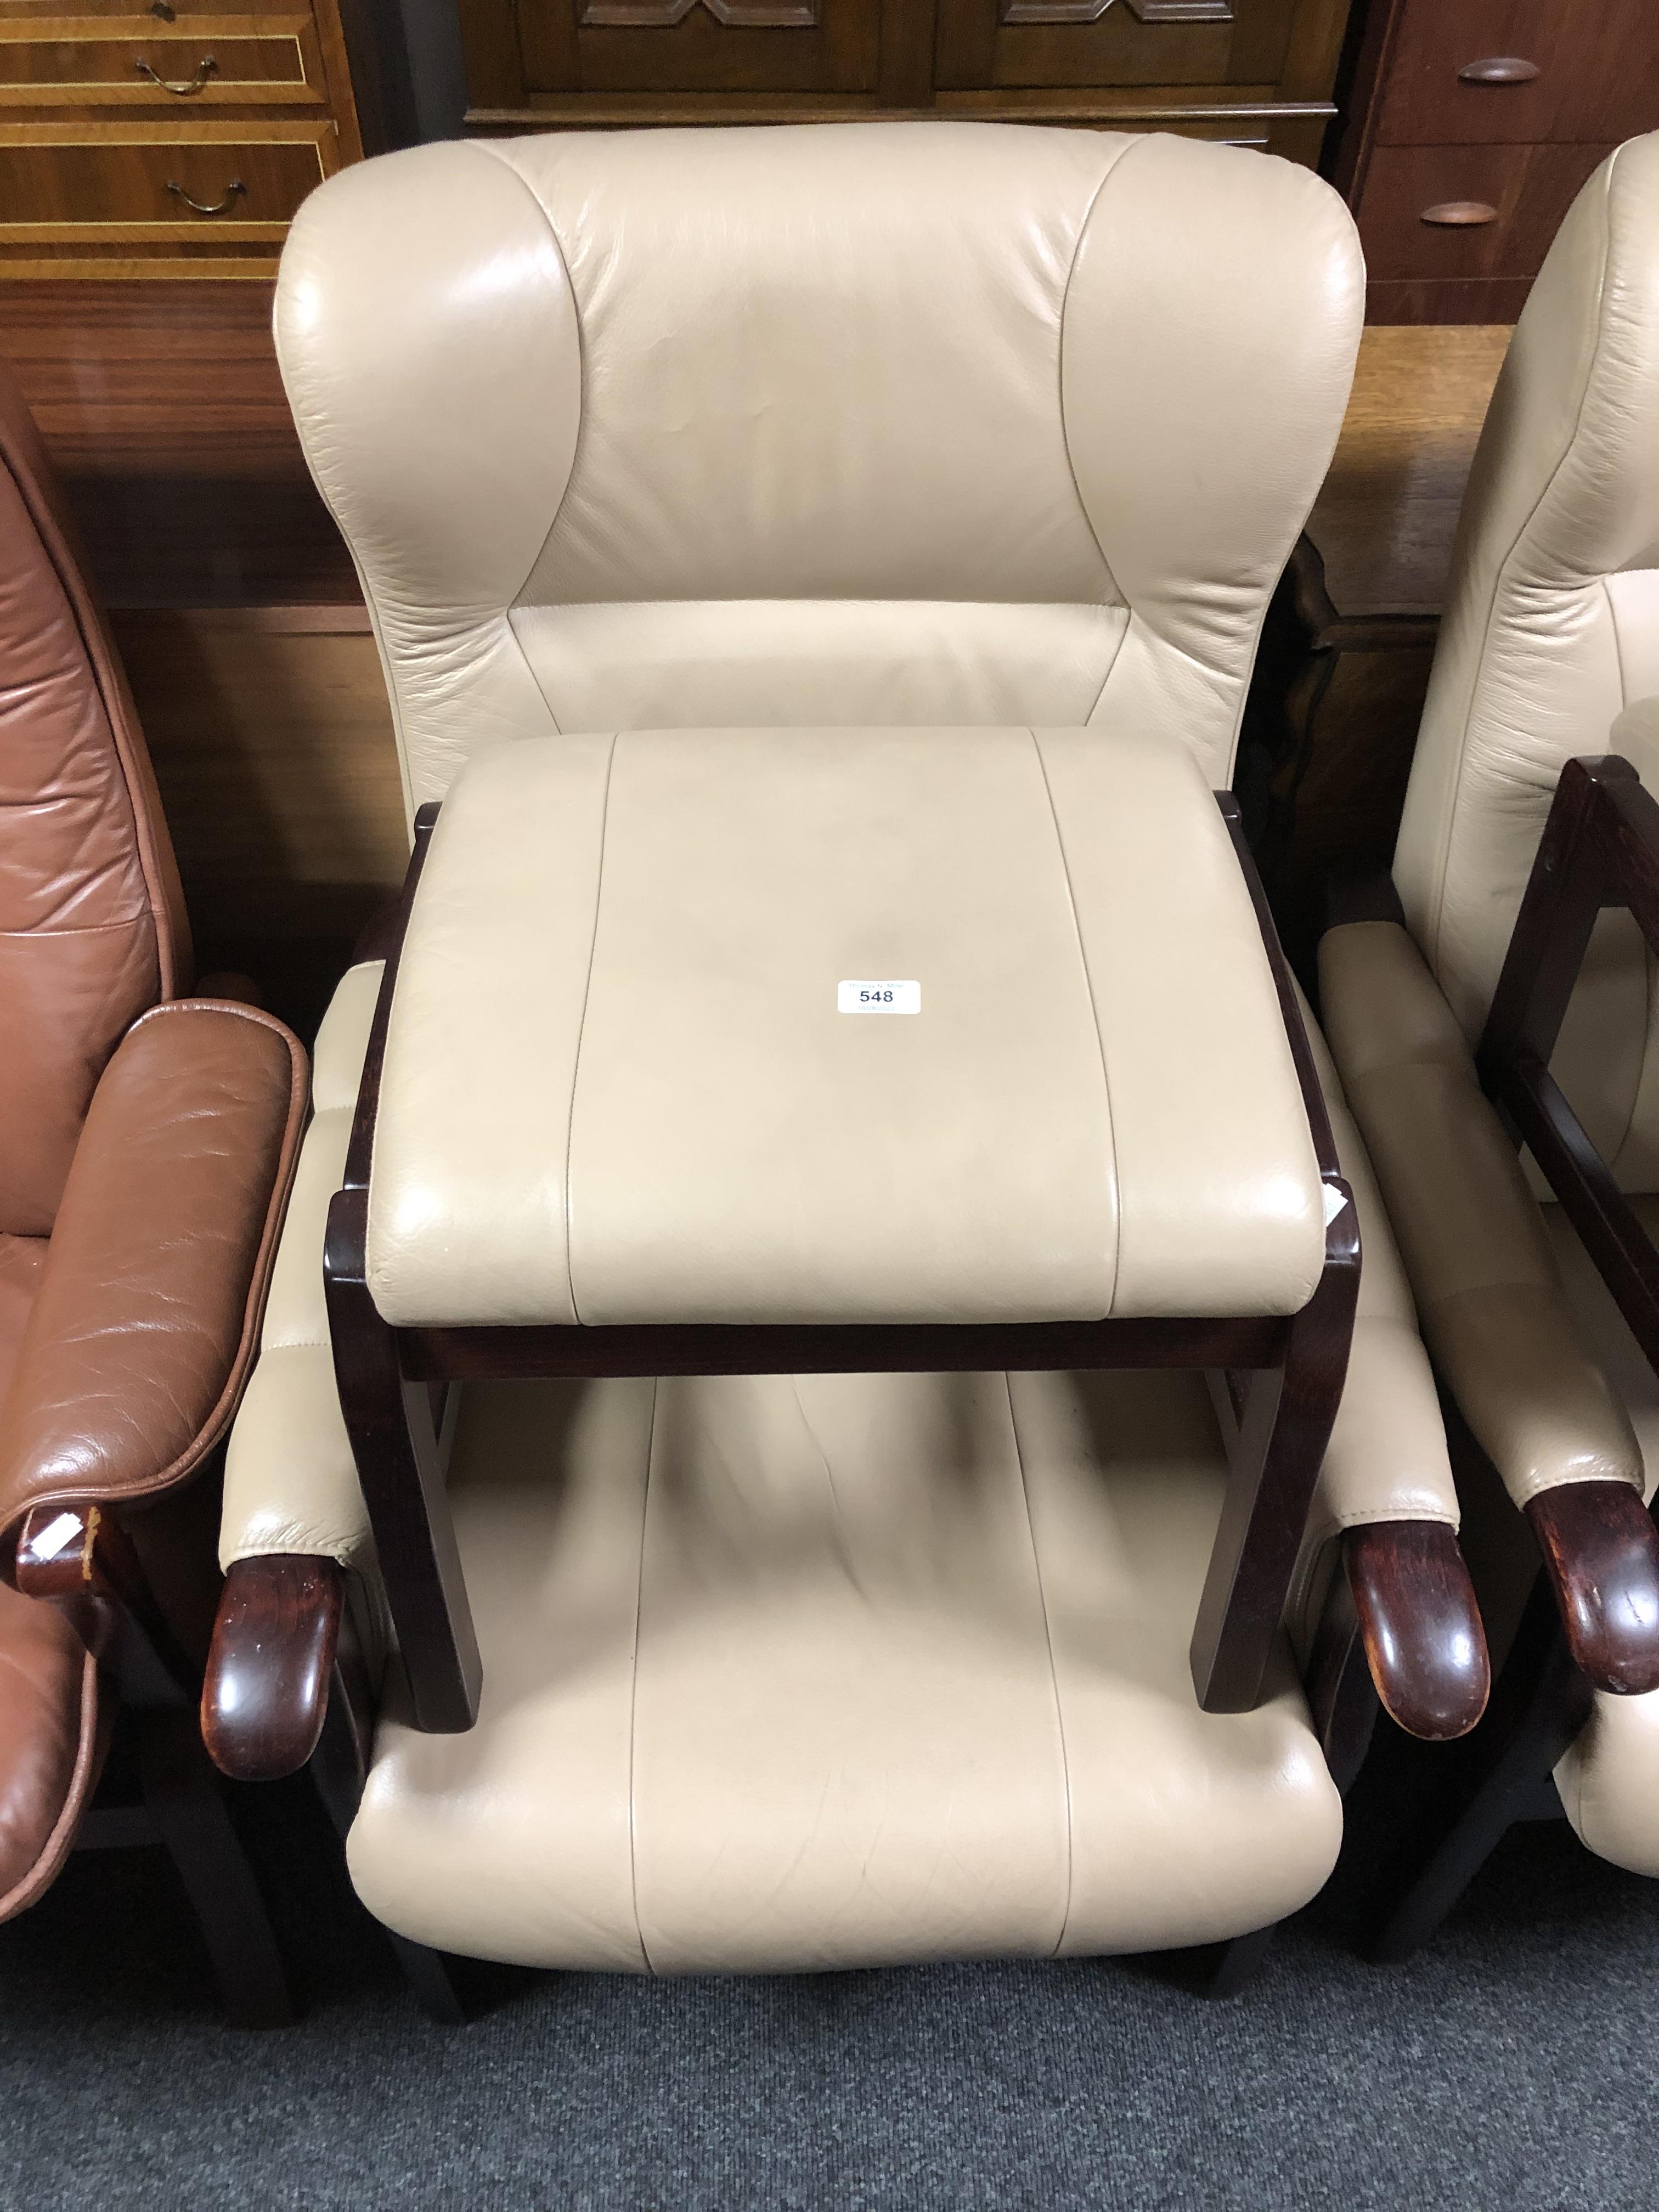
1257	72
1472	125
174	139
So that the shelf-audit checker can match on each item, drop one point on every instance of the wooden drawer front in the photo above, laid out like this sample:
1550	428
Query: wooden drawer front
115	188
1528	189
222	61
698	45
986	43
51	19
1597	81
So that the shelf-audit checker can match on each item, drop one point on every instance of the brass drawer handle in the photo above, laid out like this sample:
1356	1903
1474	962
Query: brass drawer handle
1499	69
1460	215
221	207
205	68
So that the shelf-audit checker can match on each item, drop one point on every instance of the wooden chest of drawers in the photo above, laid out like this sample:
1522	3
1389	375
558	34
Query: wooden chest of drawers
173	140
1258	72
1474	124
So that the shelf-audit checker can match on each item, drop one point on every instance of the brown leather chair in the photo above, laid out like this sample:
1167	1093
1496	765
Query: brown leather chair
147	1143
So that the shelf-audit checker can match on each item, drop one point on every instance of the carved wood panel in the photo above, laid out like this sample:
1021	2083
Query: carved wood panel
635	47
1256	72
1163	43
1090	11
662	15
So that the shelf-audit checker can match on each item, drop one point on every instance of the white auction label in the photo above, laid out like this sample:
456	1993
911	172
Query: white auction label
878	998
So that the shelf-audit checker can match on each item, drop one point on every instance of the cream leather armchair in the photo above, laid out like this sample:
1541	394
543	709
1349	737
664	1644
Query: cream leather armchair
899	505
1549	648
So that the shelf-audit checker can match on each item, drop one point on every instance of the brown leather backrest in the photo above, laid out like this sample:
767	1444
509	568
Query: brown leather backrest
91	928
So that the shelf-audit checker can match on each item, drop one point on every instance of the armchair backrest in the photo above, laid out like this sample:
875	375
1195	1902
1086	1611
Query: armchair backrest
1551	630
92	927
902	422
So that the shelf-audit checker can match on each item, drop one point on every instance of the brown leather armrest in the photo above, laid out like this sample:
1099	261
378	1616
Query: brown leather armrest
1420	1624
265	1695
142	1333
1602	1553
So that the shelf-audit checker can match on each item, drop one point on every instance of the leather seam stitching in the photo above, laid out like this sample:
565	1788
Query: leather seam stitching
1110	170
546	215
124	924
1053	1671
582	1026
1094	1015
1544	489
633	1690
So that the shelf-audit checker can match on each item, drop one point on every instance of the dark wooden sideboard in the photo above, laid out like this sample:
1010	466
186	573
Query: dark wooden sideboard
1256	72
1471	124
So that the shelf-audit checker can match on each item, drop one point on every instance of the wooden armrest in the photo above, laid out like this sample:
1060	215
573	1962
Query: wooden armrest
265	1695
78	1558
1419	1624
1601	1554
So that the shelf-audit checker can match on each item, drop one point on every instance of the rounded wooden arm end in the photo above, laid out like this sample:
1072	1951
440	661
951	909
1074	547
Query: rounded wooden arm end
265	1694
1420	1625
1602	1553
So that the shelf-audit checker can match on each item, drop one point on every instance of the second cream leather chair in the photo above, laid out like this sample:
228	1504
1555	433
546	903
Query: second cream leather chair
938	427
1549	650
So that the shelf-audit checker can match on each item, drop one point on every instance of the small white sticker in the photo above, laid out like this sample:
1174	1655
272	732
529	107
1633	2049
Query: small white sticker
878	998
1334	1203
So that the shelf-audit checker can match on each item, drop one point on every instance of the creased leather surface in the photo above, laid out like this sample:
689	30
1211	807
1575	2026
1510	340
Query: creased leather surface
617	1087
22	1259
827	1671
91	923
934	423
290	1480
1387	1458
48	1738
148	1303
1551	629
1489	1294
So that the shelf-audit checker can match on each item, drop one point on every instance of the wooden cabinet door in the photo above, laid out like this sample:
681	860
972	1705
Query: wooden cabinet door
697	46
1513	72
988	43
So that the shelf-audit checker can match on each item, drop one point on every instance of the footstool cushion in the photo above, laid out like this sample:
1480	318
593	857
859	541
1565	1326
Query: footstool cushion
629	1076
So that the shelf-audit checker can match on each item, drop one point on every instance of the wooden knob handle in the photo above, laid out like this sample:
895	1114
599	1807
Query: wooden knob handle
1499	69
1460	215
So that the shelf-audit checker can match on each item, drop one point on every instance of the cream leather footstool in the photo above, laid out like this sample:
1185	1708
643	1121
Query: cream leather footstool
754	1051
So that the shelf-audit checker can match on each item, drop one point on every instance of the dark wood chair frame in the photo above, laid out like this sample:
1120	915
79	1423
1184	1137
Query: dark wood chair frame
1589	1619
92	1575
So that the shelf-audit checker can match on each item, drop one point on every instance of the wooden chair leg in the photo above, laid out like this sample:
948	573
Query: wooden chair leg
1495	1779
185	1798
1238	1962
431	1978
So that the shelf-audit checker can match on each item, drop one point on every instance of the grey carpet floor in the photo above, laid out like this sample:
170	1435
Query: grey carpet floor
1513	2067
